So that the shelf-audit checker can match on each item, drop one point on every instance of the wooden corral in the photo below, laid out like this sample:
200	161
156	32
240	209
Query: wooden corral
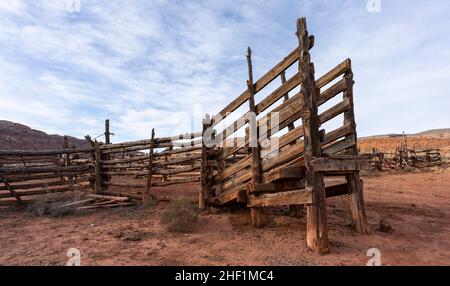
286	157
404	157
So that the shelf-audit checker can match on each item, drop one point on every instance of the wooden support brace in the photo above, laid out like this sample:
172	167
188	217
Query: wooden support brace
356	200
146	194
204	180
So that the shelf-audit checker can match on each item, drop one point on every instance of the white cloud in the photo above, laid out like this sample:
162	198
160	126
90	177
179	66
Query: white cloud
146	64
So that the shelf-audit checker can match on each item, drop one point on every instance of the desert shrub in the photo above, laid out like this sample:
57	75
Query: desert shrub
40	205
180	215
48	204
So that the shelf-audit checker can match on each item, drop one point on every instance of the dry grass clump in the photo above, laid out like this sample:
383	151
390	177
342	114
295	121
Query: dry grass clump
51	205
180	215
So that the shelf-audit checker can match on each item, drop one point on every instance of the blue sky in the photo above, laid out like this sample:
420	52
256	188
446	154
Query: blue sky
163	64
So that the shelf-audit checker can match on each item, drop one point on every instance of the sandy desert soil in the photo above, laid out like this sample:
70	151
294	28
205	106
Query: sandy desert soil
415	204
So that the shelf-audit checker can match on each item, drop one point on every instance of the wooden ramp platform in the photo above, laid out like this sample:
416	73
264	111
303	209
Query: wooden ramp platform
287	152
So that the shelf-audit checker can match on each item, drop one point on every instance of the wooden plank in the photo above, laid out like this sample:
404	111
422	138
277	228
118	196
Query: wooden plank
108	197
332	91
280	186
43	152
334	111
22	178
286	173
161	171
43	191
35	170
177	181
195	157
333	73
296	197
339	146
277	94
178	151
229	195
325	164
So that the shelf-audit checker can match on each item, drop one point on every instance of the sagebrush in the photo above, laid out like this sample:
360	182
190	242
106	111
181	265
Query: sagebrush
180	215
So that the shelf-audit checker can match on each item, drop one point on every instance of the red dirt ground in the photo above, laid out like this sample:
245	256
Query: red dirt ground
415	204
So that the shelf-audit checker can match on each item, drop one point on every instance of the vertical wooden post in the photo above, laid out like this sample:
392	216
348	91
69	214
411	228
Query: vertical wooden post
146	194
204	171
97	168
253	138
67	161
107	133
294	210
107	156
355	196
317	227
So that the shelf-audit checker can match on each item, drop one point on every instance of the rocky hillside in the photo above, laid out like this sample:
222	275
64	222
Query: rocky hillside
15	136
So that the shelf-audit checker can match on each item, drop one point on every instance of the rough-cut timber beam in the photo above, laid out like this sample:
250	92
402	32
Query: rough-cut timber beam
325	164
43	152
253	139
317	228
296	197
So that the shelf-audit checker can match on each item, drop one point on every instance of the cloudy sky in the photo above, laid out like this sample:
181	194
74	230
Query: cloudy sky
162	64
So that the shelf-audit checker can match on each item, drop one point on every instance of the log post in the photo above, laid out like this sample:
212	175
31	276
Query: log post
97	169
107	133
67	161
294	210
355	195
253	139
204	188
317	227
107	157
148	185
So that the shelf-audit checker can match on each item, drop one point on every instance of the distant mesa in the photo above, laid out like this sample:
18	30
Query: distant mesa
443	133
15	136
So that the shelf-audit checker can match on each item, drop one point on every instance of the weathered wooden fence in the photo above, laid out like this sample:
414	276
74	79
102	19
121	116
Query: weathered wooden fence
25	174
166	161
405	157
